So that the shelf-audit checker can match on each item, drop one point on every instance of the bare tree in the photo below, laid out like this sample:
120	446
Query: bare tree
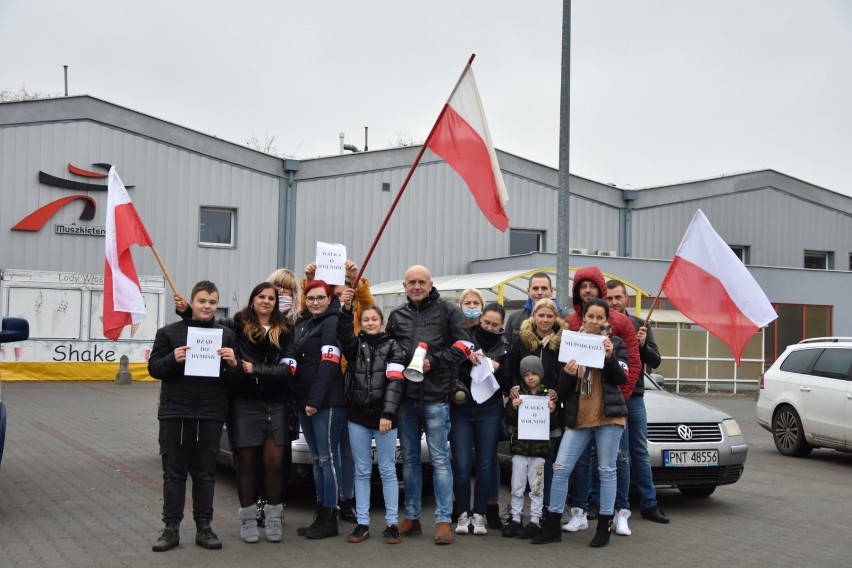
402	139
10	96
268	145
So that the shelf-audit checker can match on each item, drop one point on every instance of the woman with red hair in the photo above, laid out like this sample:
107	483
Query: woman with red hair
318	393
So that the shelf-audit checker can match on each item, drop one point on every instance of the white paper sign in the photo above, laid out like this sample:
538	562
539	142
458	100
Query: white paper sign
202	357
331	263
483	383
533	418
586	349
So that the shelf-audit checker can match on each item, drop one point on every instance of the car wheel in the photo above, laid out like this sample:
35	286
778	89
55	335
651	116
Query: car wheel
788	433
700	491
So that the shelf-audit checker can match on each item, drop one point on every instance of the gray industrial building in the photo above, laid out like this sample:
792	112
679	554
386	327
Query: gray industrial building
224	212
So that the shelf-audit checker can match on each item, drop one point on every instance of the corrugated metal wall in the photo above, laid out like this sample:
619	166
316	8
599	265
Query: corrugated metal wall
171	184
776	226
436	223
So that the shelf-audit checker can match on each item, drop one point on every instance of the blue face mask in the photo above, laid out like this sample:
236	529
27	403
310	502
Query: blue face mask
472	313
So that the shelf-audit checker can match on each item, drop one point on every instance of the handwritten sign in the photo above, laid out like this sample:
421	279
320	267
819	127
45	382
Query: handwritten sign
586	349
483	383
533	418
202	357
331	263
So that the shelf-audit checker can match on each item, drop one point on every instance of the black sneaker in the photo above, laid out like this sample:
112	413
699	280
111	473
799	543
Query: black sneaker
167	540
511	528
360	534
492	516
530	530
391	535
206	538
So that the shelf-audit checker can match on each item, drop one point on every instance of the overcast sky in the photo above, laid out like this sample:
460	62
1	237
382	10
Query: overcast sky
663	91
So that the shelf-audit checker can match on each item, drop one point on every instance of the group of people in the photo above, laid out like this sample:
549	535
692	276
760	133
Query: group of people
327	363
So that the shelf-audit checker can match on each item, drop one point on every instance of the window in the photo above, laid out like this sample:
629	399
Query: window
216	227
818	260
522	242
800	361
834	364
742	252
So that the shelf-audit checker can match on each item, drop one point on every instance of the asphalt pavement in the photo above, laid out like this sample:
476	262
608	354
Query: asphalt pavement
80	486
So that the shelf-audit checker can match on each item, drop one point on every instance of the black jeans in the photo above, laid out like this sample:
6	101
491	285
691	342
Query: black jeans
189	447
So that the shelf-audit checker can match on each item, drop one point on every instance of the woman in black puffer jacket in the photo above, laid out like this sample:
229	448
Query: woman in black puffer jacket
374	388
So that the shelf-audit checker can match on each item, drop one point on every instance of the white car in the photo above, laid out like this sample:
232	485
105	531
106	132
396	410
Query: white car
805	397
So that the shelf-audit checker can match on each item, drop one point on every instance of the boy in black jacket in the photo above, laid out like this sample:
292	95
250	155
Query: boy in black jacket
191	413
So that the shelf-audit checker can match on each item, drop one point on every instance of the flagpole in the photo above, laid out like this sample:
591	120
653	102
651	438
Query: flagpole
410	173
163	268
654	305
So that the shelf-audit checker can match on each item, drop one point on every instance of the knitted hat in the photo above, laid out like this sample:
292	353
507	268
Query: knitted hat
532	364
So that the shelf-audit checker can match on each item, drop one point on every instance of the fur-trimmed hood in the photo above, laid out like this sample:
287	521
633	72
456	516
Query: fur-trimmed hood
531	341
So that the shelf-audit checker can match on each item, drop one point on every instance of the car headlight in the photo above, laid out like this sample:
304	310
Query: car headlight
731	427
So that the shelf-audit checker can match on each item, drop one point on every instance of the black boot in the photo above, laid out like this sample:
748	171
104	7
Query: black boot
205	537
602	533
492	516
302	530
347	511
169	538
327	525
551	529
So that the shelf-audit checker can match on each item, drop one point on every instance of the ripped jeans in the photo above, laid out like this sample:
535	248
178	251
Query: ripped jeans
574	442
322	433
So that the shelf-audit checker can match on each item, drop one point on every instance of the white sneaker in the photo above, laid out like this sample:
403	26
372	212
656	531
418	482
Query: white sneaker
479	524
619	521
578	521
463	527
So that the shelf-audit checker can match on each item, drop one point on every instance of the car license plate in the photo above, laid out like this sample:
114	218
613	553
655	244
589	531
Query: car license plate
691	458
397	456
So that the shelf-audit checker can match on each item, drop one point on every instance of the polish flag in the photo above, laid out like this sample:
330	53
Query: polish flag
123	303
462	139
708	283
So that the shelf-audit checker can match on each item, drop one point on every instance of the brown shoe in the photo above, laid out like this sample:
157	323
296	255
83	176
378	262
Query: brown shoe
409	527
443	533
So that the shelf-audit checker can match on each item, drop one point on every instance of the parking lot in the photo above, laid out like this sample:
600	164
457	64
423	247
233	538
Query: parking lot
80	485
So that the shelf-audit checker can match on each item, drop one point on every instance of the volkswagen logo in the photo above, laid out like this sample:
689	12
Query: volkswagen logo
685	432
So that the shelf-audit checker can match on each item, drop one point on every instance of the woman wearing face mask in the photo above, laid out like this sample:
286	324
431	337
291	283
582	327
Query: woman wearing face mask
476	425
594	409
285	283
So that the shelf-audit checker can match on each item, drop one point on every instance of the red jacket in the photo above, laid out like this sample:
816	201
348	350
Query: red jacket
621	325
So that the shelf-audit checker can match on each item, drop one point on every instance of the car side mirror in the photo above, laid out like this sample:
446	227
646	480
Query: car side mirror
14	329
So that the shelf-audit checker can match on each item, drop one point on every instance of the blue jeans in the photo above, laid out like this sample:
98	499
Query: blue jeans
360	439
436	424
622	466
640	462
474	427
322	433
585	489
571	448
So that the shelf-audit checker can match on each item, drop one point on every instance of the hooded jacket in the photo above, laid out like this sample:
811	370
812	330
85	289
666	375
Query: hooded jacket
528	343
318	383
373	382
187	396
441	325
530	448
621	325
612	376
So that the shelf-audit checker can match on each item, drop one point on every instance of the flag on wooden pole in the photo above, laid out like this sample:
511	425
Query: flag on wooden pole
123	304
709	284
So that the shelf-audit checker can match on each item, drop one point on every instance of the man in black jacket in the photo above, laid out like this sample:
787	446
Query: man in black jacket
428	319
634	440
191	413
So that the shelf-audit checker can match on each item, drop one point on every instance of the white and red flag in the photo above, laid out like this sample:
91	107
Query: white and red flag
123	304
462	139
709	284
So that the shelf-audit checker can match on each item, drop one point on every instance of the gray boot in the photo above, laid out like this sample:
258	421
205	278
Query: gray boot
273	514
248	524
